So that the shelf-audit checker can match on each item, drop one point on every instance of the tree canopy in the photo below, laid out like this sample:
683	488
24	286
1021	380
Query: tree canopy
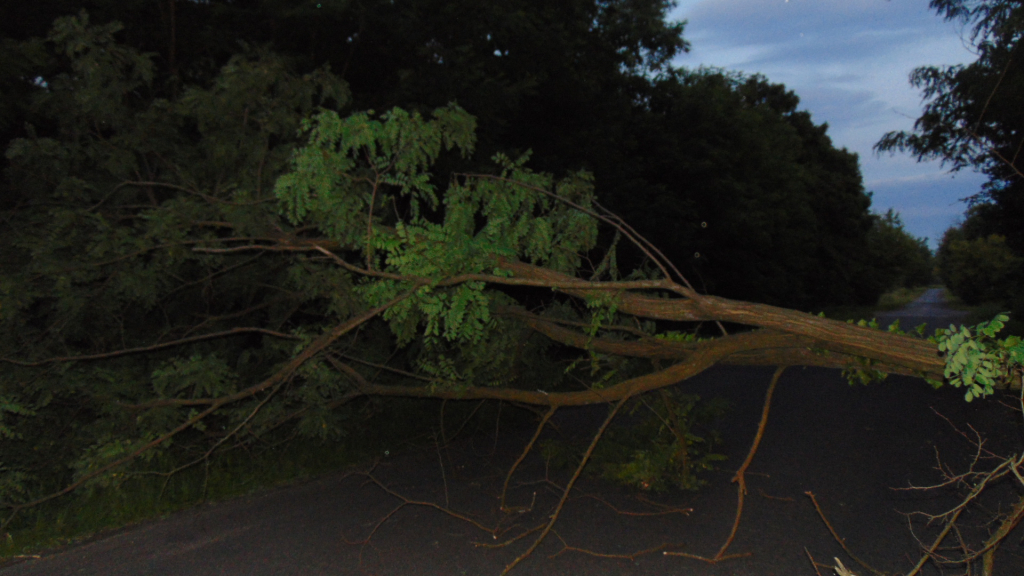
746	192
972	117
976	263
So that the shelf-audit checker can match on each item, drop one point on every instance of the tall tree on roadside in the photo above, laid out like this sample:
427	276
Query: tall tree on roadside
973	117
975	263
744	191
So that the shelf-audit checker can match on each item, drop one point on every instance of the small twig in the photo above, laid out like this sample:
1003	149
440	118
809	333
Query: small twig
813	563
568	488
387	368
715	560
1009	522
444	479
206	455
988	100
632	556
770	497
977	441
838	539
665	510
410	502
447	441
842	570
497	429
510	540
526	450
369	224
739	478
611	220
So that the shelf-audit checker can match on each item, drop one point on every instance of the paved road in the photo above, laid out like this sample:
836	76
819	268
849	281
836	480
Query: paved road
928	309
848	445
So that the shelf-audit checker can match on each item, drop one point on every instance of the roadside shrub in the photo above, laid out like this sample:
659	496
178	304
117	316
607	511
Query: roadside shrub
977	270
670	443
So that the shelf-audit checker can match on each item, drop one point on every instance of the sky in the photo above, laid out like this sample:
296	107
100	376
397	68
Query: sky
849	61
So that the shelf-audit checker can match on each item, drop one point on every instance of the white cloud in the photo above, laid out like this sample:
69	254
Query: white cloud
850	68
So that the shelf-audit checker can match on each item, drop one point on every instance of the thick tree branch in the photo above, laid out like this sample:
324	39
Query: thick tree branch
919	356
838	344
761	348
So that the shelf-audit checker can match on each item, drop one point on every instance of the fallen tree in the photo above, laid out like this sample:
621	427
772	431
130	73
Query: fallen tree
437	279
353	278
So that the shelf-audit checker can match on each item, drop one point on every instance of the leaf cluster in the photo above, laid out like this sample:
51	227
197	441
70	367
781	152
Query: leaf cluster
352	170
979	362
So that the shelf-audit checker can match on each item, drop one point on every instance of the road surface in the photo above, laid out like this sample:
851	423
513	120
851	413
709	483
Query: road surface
848	445
928	309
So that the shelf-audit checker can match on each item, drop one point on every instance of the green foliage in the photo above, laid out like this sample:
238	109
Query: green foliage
339	174
975	359
10	406
669	446
972	115
587	85
197	377
903	260
351	170
125	499
978	361
115	187
978	269
106	451
13	482
138	244
864	373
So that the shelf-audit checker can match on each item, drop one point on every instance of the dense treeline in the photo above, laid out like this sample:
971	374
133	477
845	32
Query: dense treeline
902	260
977	264
721	170
151	273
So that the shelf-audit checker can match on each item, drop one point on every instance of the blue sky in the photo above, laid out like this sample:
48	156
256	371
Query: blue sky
849	62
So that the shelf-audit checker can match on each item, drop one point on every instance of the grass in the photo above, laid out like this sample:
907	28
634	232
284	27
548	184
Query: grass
83	515
900	297
984	312
88	513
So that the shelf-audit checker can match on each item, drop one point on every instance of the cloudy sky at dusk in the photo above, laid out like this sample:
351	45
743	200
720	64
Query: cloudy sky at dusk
848	61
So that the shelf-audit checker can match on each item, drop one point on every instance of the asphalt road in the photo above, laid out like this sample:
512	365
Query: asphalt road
928	309
848	445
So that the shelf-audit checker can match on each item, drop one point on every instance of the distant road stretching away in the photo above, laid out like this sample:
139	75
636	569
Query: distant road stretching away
928	309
